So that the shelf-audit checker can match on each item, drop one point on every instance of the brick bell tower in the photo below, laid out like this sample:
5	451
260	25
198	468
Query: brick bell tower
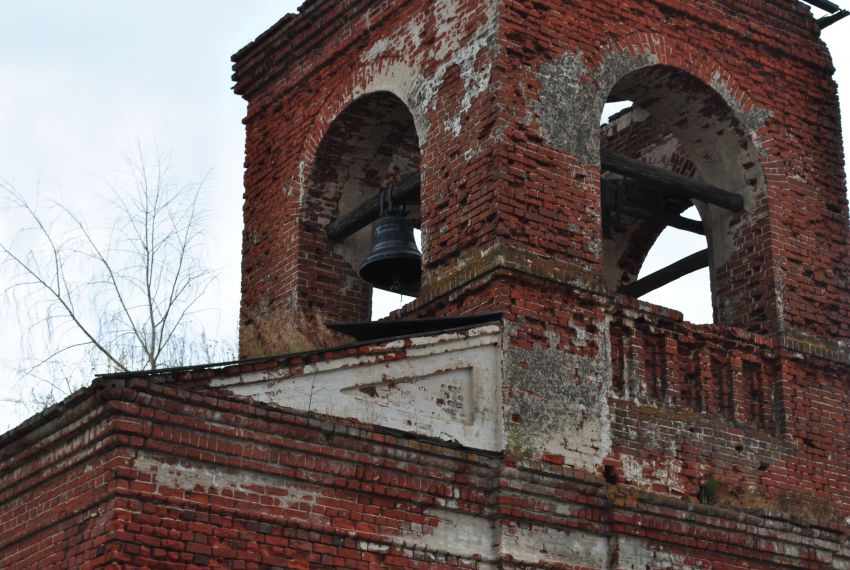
527	410
484	116
489	111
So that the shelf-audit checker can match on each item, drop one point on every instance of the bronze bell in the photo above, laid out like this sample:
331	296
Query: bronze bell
395	263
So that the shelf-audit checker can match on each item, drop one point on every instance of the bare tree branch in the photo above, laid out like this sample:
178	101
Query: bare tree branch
127	294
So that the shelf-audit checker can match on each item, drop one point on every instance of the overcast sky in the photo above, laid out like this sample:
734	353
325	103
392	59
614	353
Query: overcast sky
83	80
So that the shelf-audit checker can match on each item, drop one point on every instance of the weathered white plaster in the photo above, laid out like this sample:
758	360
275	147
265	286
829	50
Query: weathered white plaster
448	386
415	88
475	80
549	545
645	474
458	533
635	554
190	476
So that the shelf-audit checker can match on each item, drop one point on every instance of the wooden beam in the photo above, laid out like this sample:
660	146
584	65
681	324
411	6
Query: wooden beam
827	21
667	275
666	218
667	181
368	211
640	203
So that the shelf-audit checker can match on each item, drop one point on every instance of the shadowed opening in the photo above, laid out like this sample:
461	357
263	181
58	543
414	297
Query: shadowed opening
670	120
371	145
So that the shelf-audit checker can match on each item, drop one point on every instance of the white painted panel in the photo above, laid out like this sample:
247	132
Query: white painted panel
448	386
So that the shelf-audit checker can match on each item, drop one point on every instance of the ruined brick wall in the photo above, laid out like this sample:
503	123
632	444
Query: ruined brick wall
504	99
417	56
59	488
144	476
662	405
721	45
630	439
698	405
193	479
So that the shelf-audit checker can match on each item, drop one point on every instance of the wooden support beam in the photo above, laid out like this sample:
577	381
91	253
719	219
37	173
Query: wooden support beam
827	21
667	181
667	275
631	199
368	211
666	218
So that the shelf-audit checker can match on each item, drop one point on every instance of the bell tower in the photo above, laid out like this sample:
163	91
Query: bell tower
529	409
483	118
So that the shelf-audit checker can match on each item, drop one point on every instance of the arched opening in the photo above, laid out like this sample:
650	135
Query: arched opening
679	173
691	293
370	148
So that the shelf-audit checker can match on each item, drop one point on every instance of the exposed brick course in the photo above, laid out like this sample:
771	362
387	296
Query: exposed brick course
183	480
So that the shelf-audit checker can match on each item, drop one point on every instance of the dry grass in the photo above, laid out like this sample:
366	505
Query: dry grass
278	334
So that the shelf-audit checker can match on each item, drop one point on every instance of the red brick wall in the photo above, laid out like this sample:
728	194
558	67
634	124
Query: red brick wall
59	486
497	170
144	474
286	257
687	403
505	100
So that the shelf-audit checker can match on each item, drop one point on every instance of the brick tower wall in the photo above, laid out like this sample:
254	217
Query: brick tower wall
505	99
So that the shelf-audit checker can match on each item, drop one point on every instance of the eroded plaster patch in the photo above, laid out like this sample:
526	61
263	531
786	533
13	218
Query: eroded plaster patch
637	554
558	401
456	532
419	90
190	477
572	98
645	473
548	545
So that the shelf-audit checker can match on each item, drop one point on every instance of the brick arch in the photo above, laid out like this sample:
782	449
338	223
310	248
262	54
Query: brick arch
378	77
646	49
367	140
692	98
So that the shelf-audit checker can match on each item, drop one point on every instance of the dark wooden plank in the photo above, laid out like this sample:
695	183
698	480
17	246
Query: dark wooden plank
368	211
666	218
827	21
632	199
667	275
667	181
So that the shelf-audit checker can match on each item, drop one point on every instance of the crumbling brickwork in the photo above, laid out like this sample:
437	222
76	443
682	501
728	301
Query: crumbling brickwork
579	428
142	473
505	100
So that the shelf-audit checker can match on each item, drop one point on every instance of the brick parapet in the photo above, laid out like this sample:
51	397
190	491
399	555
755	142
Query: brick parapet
58	493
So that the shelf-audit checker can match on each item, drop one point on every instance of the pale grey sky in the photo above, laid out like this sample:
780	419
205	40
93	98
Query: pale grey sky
85	79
